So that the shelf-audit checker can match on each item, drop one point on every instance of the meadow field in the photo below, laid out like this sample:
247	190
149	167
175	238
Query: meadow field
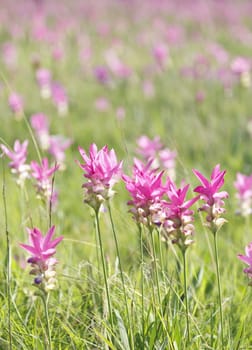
126	174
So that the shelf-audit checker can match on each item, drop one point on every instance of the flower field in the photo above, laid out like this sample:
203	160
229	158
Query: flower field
126	174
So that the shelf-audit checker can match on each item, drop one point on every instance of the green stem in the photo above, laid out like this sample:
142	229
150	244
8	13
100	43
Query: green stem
45	299
8	262
185	295
121	275
219	286
155	265
142	282
104	267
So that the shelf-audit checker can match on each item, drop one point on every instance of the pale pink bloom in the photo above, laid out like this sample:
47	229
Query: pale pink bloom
44	77
57	146
243	185
240	65
18	158
102	104
9	55
148	89
58	53
60	98
161	54
16	103
153	149
42	173
209	193
120	113
102	170
147	147
200	96
248	260
40	124
42	248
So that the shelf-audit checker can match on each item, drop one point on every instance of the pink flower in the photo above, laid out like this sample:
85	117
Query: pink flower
243	185
147	147
240	65
146	190
178	222
16	103
102	171
213	199
42	174
57	146
154	150
102	104
43	77
160	53
60	98
18	155
42	249
248	260
40	125
18	159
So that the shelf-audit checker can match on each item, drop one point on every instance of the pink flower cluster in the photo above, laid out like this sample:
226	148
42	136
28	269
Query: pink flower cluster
102	171
154	150
41	173
155	203
42	262
54	144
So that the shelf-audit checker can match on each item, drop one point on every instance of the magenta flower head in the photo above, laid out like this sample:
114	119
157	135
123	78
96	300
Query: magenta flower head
213	199
243	185
58	145
178	223
146	189
154	150
44	77
42	262
40	125
248	260
18	159
60	98
16	104
42	173
102	171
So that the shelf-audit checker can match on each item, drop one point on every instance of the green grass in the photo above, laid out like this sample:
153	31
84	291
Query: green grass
203	135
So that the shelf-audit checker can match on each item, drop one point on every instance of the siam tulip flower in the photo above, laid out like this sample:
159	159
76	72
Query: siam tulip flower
39	123
101	74
57	146
155	151
243	185
248	260
178	222
213	199
18	159
102	104
9	55
42	262
102	171
148	89
60	98
120	113
43	174
161	54
16	104
241	67
146	189
43	77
